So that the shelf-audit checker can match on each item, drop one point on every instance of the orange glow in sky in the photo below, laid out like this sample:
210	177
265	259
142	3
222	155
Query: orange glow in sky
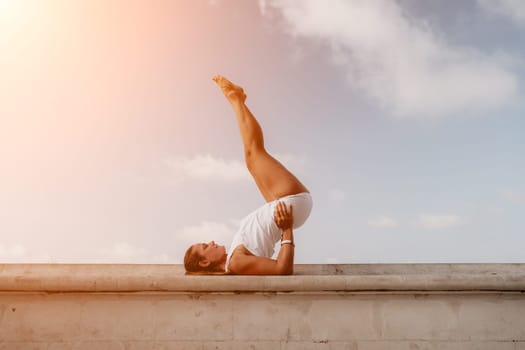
411	143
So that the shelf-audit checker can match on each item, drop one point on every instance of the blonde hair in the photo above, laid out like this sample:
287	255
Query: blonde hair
191	261
192	266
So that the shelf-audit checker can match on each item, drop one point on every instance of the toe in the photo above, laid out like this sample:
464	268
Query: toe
218	79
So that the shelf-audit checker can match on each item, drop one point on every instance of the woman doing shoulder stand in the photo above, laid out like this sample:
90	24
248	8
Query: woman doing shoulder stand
288	205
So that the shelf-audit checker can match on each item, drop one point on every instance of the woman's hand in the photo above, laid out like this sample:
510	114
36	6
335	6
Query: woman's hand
282	216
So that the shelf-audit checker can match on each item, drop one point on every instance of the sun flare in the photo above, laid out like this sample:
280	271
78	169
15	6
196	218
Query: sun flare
17	15
9	8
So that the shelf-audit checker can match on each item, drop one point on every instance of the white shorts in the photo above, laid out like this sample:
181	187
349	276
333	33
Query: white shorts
302	207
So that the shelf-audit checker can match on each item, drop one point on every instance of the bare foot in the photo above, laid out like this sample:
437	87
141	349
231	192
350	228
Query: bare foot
232	92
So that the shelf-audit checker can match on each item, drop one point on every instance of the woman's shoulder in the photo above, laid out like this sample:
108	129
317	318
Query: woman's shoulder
237	258
239	251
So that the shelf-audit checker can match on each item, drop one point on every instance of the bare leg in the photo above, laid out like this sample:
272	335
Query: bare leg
272	178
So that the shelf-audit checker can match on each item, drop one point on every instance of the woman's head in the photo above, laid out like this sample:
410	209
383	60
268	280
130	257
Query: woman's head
205	258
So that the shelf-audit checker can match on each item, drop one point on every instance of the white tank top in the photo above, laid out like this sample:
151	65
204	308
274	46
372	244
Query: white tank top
259	233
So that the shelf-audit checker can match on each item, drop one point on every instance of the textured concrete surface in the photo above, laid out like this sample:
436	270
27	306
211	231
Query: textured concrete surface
381	277
41	317
365	345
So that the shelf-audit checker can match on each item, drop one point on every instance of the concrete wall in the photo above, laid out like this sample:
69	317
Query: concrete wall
322	307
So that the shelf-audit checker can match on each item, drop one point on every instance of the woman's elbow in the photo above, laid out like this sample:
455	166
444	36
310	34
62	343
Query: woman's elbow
286	270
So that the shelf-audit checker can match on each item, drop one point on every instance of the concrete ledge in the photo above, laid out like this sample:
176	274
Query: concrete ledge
93	278
321	307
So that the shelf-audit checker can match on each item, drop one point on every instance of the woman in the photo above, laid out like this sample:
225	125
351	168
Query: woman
288	205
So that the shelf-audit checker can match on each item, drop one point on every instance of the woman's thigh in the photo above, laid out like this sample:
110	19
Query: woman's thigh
272	178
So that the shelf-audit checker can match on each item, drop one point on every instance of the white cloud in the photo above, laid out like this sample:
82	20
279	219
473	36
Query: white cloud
291	160
206	231
431	221
514	9
382	222
494	211
18	253
399	61
515	196
122	250
207	167
15	251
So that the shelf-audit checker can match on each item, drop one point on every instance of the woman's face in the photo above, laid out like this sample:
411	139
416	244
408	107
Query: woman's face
211	252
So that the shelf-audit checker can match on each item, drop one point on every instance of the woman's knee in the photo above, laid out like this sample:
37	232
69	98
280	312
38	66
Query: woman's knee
253	155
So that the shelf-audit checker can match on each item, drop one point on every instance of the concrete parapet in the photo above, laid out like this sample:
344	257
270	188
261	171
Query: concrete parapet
352	307
307	278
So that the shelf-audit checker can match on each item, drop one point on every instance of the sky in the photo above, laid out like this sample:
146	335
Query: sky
405	120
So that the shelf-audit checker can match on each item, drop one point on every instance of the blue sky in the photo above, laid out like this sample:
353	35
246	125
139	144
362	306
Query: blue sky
403	118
